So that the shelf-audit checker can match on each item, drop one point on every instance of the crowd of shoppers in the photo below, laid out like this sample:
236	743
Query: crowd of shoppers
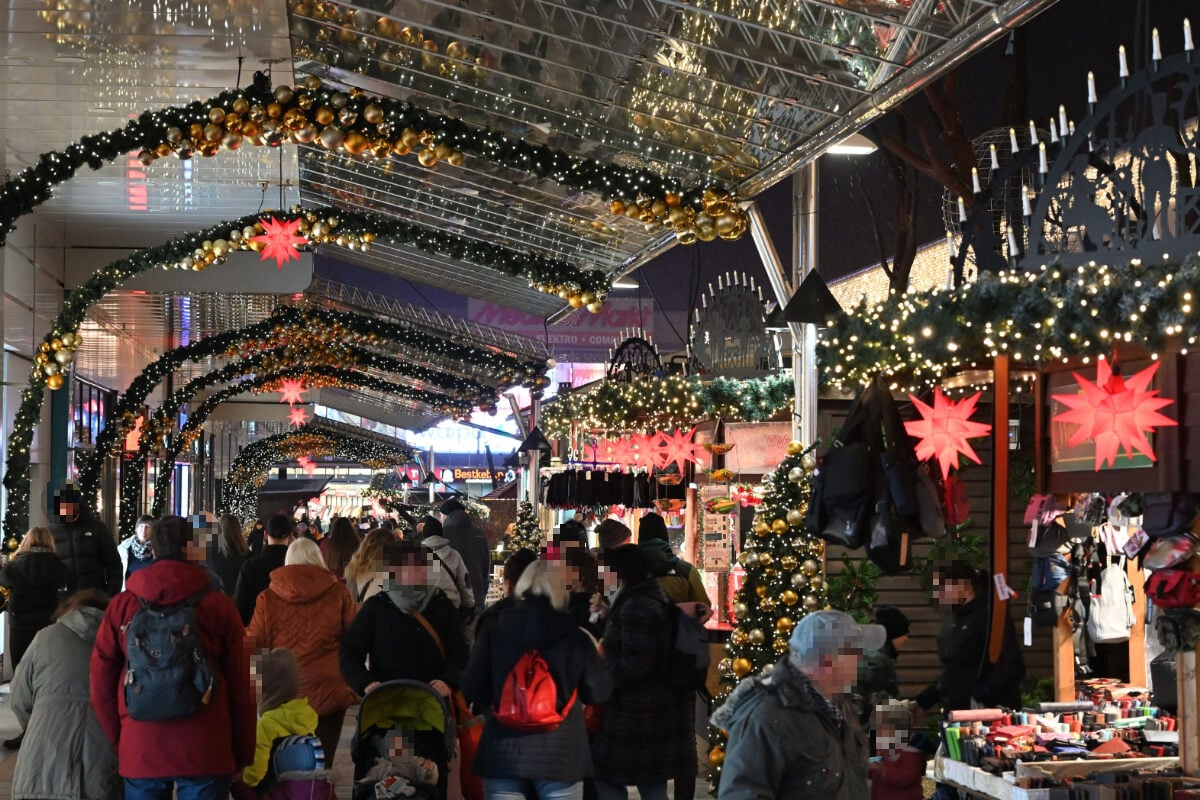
569	668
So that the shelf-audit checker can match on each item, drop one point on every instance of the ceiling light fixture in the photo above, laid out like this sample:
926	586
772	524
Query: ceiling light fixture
853	145
625	283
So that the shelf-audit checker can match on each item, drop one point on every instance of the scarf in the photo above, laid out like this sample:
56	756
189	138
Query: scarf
410	598
139	549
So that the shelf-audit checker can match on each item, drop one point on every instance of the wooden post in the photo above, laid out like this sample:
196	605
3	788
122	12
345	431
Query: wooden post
692	498
999	501
1064	660
1137	634
1189	733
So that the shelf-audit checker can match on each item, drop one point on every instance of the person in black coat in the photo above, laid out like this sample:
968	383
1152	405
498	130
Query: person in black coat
648	735
514	565
85	546
255	575
36	578
536	764
409	631
470	543
257	539
962	646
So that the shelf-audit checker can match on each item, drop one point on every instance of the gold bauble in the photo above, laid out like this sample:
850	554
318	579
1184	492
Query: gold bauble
331	138
767	605
69	339
739	227
373	114
789	562
738	637
323	115
742	666
796	474
283	94
588	297
347	116
401	149
790	598
455	159
795	448
716	203
810	567
810	603
195	131
706	233
63	357
56	343
54	381
725	223
52	368
595	308
809	462
716	757
617	207
761	591
816	582
241	106
741	610
575	301
757	636
795	517
305	133
274	111
779	645
355	143
762	528
427	157
41	359
779	526
784	625
231	141
174	135
686	236
410	137
765	559
800	580
252	129
294	118
213	132
680	214
163	149
146	158
216	114
564	293
672	199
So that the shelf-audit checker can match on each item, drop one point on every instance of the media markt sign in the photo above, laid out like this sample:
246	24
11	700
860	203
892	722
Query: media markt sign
581	336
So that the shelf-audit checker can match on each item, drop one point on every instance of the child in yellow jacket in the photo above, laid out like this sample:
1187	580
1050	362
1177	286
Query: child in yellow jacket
281	712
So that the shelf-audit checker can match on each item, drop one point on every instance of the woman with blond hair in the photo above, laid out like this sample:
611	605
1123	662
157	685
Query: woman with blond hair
306	609
363	571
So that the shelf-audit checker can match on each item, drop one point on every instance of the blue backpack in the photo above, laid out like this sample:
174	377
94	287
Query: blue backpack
167	674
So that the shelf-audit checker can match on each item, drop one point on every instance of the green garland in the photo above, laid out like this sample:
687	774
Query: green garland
666	403
526	534
1037	317
250	468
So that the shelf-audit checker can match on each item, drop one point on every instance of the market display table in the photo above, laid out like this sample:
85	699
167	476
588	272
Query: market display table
984	784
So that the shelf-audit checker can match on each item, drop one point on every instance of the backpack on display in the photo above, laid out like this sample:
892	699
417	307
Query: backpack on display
529	697
1110	615
1047	600
687	664
167	674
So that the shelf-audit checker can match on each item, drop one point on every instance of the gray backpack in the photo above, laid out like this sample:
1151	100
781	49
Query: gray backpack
167	674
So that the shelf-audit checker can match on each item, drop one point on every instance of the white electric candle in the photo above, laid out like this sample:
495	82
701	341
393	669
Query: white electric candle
1092	88
962	209
1062	121
1026	208
975	187
1032	133
1187	36
1155	47
1053	131
1123	65
1012	139
1043	167
995	165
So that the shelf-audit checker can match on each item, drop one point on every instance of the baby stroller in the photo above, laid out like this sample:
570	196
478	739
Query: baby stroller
407	714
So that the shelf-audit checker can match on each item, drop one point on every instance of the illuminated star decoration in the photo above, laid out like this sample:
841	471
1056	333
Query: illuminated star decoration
297	417
307	464
678	448
943	430
291	391
280	240
1114	412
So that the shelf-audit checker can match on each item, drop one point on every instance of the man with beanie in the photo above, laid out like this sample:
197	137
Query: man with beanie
198	754
790	731
679	579
469	542
255	575
282	712
612	533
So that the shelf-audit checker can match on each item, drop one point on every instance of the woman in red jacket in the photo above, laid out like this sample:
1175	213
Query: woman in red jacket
307	610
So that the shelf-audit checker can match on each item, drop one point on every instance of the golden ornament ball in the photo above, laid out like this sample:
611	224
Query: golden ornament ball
757	636
790	598
768	605
779	645
706	233
373	114
795	448
401	149
54	381
741	610
789	562
442	151
800	581
241	106
455	159
816	582
779	526
738	637
427	157
41	359
163	149
274	110
575	301
742	666
810	603
810	567
56	343
685	236
765	559
761	527
784	625
331	138
355	143
305	133
716	757
795	517
761	591
595	308
323	115
809	462
231	141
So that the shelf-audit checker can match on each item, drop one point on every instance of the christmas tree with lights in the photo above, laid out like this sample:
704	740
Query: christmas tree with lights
783	582
526	534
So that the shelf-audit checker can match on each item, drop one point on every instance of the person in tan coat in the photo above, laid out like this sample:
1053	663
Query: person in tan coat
306	610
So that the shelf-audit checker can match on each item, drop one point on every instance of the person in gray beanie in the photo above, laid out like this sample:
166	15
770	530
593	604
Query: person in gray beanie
791	731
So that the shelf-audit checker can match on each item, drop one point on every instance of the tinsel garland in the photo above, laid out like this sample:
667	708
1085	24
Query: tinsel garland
250	468
526	533
666	403
1037	317
783	582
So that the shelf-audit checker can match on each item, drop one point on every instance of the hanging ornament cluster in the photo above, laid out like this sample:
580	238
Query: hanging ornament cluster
526	533
1117	414
54	356
944	428
714	213
658	450
784	582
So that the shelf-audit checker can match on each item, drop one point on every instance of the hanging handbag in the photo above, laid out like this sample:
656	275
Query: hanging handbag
1170	551
930	518
1173	588
888	546
899	459
847	526
1167	513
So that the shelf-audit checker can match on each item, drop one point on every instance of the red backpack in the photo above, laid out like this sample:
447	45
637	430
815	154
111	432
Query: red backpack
529	699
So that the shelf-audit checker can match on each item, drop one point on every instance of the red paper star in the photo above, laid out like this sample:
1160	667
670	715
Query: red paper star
943	430
1115	412
620	451
678	448
297	417
307	464
291	391
281	241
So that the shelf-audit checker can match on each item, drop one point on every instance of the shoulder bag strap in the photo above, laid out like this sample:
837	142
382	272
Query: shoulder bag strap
437	640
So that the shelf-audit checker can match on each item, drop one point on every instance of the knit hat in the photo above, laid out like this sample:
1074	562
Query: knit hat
612	533
280	679
652	527
431	526
893	621
452	505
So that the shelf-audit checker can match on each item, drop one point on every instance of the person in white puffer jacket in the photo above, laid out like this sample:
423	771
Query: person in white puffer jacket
455	578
